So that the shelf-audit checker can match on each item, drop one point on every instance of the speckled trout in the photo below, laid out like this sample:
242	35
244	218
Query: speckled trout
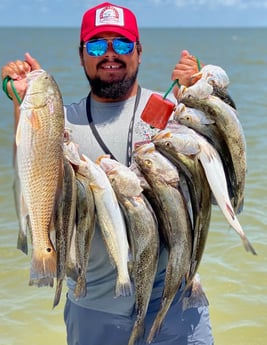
191	143
197	120
111	222
174	224
39	144
142	229
213	78
227	121
200	198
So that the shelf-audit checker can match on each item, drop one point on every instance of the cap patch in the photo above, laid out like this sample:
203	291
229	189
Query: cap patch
109	15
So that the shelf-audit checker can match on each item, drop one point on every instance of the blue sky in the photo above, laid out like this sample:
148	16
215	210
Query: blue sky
150	13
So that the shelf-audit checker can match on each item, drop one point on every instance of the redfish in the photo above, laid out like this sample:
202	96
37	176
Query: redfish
39	154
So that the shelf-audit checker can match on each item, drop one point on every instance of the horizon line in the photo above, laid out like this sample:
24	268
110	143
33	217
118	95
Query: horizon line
140	27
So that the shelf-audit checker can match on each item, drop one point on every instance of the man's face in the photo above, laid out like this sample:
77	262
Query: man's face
111	75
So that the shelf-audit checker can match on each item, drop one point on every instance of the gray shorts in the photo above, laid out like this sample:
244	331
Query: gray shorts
91	327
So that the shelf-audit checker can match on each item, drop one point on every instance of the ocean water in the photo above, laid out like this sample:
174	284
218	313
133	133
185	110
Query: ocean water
235	281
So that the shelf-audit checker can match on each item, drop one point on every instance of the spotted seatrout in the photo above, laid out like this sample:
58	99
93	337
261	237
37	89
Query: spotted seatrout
142	229
111	222
174	224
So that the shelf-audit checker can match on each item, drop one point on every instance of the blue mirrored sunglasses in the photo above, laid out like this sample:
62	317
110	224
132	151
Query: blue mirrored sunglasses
99	47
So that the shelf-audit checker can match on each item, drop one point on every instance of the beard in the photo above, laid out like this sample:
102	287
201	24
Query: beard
114	89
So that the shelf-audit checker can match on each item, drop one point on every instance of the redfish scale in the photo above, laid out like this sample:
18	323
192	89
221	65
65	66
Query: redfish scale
41	203
40	181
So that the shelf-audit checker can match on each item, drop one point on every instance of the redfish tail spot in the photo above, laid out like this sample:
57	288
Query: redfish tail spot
43	266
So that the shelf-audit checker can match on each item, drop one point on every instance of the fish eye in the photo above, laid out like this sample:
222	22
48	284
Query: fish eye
112	180
168	144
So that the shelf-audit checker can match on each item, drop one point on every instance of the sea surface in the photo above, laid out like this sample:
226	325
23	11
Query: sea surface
235	281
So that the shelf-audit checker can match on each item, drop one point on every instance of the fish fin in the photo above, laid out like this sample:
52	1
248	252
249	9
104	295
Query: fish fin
24	225
240	206
51	106
95	187
23	206
71	262
207	121
22	240
18	134
34	120
230	210
209	155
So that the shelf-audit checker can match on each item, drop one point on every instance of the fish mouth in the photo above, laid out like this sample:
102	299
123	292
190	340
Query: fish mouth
146	148
34	74
162	135
197	75
100	158
106	163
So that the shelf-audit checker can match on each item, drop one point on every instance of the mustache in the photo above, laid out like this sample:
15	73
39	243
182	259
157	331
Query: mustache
107	60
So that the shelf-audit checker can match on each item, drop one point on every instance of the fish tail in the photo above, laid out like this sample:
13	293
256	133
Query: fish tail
123	287
197	297
248	246
58	292
41	282
80	288
154	329
137	332
43	265
158	320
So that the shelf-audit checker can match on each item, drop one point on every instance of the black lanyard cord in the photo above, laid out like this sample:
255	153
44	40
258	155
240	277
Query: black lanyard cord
130	130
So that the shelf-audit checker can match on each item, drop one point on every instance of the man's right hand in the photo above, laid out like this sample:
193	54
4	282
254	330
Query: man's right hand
18	70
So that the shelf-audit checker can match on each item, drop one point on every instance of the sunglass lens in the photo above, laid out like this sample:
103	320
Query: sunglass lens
97	47
123	46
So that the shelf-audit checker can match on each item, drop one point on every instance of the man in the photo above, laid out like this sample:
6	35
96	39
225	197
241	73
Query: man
109	121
